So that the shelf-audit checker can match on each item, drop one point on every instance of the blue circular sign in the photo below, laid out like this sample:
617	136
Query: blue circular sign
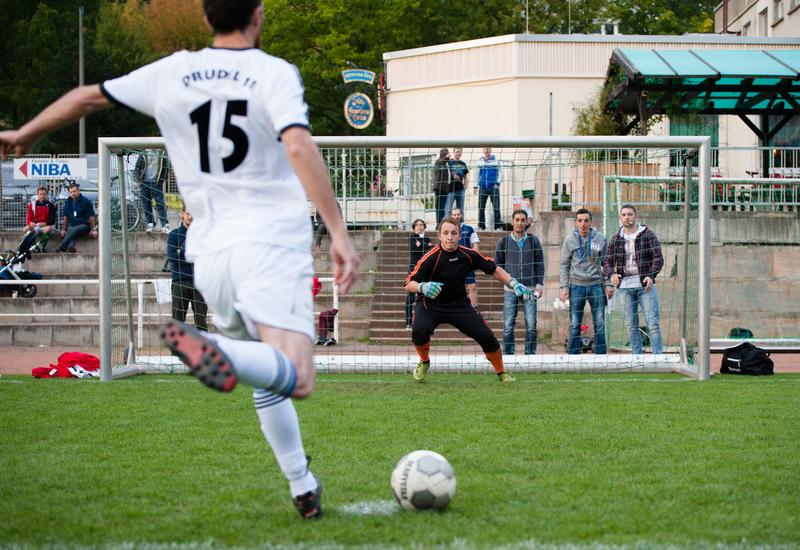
358	110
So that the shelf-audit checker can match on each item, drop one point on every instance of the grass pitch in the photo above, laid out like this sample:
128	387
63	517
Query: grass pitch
559	460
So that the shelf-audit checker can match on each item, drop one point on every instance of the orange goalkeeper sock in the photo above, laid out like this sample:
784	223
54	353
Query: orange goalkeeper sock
424	352
496	359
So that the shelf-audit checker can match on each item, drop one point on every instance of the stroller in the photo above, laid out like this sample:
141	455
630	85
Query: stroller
12	268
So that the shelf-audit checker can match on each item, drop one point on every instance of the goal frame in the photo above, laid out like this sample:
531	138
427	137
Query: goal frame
700	144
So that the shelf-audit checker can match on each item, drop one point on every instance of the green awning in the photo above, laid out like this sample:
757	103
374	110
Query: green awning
735	82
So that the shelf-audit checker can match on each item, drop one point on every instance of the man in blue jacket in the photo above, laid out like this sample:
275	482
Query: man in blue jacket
183	290
79	219
488	188
521	254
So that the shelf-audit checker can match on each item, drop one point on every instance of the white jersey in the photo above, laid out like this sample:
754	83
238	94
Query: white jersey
221	113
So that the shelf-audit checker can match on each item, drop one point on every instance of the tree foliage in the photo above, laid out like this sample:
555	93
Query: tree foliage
39	43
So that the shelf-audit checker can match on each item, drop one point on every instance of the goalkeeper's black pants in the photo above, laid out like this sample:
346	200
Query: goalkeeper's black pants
465	318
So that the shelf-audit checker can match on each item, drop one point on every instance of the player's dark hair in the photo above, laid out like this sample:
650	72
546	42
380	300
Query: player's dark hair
519	211
73	184
624	206
448	219
583	211
227	16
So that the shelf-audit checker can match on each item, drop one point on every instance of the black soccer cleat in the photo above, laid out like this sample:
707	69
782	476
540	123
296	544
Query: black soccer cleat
309	505
205	360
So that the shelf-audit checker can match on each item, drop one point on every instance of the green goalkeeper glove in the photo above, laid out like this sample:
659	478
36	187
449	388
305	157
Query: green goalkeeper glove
520	289
430	289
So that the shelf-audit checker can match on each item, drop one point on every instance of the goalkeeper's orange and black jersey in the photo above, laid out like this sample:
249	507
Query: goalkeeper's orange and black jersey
450	269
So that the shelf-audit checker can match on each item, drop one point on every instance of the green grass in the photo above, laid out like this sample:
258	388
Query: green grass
627	460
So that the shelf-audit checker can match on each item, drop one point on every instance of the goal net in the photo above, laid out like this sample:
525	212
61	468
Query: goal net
383	185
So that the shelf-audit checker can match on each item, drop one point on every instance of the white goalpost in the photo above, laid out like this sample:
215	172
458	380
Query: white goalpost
383	184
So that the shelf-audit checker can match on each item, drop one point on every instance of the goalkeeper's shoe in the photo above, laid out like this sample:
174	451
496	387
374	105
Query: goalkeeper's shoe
204	358
309	505
421	370
505	376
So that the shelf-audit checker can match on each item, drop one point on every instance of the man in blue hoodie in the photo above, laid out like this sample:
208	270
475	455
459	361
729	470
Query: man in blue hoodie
183	290
520	254
488	187
582	280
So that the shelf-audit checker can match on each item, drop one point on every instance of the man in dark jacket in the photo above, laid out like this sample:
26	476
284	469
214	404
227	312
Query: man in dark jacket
633	261
183	290
521	255
152	171
79	219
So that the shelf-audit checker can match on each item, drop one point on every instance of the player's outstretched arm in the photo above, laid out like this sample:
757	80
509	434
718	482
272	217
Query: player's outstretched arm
70	107
310	168
519	289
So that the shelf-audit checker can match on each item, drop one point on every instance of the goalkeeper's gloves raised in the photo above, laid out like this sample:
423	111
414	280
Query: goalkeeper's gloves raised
520	289
430	289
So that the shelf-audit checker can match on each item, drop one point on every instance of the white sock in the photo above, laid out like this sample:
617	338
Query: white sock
281	426
259	364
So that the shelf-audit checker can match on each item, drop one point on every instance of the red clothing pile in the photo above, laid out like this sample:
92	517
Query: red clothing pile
72	364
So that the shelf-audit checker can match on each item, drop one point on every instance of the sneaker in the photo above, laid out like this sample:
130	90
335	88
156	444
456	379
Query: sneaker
330	342
205	360
421	370
72	250
309	505
319	342
408	326
165	228
150	227
505	376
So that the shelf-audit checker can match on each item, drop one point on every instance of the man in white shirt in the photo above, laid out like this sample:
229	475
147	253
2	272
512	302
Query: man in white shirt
237	133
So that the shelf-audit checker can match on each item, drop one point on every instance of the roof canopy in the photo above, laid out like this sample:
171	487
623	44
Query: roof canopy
716	82
722	82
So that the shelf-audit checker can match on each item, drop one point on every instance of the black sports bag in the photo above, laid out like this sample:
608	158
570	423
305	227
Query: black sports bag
746	359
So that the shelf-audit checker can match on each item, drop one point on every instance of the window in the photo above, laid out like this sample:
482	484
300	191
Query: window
746	29
793	5
695	125
763	27
777	11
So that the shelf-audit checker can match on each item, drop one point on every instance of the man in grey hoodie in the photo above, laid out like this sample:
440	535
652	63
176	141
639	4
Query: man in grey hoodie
582	280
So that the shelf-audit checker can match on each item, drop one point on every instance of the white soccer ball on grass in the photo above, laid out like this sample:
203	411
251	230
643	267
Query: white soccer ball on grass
423	480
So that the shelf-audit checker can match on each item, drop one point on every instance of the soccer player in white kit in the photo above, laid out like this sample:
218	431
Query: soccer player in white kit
237	133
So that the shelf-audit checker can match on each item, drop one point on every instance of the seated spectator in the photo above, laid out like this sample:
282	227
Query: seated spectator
41	217
79	219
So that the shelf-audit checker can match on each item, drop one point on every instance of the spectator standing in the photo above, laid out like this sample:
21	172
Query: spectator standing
183	289
521	255
634	260
582	280
458	173
152	170
488	187
41	217
418	245
469	238
442	182
79	219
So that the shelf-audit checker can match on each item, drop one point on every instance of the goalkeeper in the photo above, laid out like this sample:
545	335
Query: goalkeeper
439	277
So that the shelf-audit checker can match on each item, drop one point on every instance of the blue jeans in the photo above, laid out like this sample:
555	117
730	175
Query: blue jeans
440	199
455	199
492	194
73	233
578	296
149	192
510	304
649	302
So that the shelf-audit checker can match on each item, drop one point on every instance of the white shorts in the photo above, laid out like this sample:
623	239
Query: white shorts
252	283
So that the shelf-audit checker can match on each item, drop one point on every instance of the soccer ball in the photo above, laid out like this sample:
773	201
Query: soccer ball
422	480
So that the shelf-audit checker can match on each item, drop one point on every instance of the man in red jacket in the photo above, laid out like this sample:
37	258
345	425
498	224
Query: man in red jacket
41	217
